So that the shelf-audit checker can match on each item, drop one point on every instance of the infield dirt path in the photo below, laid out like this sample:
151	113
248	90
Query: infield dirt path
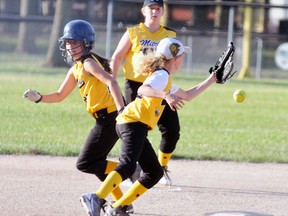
44	185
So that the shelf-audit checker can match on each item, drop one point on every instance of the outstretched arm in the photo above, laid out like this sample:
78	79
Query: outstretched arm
196	90
65	89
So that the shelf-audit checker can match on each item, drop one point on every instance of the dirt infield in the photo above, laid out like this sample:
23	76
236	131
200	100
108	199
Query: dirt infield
43	185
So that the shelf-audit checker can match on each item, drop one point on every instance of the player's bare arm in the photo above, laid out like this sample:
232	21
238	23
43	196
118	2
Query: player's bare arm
122	49
92	68
65	89
196	90
173	101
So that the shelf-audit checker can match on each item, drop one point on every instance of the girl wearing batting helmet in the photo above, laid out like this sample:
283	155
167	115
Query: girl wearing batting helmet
142	115
100	92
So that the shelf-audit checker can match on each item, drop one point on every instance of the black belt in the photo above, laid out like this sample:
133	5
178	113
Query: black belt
102	113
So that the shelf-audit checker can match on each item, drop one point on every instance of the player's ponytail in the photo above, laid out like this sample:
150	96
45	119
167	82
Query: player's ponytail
148	63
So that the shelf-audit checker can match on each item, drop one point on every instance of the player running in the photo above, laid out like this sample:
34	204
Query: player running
137	118
136	41
101	95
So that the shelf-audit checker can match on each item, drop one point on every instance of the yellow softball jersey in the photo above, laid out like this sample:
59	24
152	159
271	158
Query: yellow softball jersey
142	39
95	94
144	109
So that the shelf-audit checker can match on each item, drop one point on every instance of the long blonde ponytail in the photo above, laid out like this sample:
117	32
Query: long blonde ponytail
148	63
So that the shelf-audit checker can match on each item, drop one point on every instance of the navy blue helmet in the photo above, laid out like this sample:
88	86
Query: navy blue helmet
77	30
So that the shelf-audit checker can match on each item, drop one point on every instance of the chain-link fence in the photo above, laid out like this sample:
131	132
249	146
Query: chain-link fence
205	26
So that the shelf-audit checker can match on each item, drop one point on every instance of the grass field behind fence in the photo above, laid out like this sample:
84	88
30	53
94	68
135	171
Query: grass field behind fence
213	126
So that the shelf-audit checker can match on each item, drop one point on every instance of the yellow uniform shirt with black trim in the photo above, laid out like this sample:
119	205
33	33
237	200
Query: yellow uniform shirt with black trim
95	94
145	109
142	39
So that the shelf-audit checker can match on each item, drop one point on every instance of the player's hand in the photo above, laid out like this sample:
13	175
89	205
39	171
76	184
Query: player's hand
32	95
174	102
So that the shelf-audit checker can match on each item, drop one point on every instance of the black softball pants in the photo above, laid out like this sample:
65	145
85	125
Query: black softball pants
136	147
168	123
100	141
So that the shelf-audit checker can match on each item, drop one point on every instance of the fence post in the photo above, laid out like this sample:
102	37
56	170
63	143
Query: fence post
248	14
259	58
189	55
109	28
230	24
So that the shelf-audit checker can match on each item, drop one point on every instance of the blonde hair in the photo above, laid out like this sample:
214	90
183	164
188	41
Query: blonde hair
148	62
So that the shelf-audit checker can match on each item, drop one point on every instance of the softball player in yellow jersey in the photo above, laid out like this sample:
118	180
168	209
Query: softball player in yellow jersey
136	41
100	93
137	118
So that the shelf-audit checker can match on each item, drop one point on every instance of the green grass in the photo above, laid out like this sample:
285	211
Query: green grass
213	126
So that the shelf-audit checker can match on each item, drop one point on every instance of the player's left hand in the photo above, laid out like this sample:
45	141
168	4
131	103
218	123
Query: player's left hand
174	102
32	95
223	68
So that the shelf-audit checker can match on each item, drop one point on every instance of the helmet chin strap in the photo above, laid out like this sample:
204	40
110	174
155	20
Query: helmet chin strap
68	58
84	52
71	54
68	55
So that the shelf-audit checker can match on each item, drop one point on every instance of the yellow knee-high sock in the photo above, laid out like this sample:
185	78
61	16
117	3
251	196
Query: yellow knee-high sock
117	192
164	158
111	182
133	193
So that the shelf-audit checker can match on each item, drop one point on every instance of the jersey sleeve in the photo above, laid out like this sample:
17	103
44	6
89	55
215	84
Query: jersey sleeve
174	88
158	80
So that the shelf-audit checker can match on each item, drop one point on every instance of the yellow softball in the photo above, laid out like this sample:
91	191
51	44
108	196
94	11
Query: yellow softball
239	96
